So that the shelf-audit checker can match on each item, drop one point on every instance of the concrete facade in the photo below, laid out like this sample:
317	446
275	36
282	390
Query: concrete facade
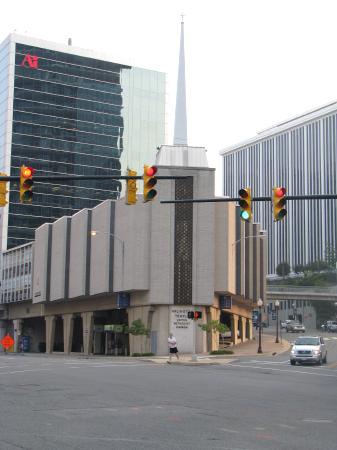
86	265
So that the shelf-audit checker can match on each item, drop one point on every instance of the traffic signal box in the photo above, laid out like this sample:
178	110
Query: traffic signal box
279	203
245	203
149	182
26	184
3	191
131	188
194	315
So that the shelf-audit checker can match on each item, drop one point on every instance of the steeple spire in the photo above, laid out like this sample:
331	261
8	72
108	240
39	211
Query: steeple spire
180	123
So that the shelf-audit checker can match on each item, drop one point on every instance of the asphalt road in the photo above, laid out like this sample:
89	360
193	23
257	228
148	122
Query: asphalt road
255	403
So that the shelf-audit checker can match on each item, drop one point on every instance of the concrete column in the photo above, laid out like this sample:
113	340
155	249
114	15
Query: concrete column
234	328
68	328
17	323
50	333
243	329
3	326
88	326
249	329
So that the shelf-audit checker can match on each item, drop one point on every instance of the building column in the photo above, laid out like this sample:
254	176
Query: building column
243	329
50	333
68	328
3	327
88	326
234	328
17	323
249	329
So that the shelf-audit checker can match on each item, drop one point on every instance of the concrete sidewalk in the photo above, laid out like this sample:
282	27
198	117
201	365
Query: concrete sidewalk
248	348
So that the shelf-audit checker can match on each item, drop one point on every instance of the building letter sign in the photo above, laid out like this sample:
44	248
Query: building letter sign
30	61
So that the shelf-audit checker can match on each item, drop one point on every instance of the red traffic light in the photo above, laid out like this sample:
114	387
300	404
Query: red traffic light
150	171
27	172
197	315
280	192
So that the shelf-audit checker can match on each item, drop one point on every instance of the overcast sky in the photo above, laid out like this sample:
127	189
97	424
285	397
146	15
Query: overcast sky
249	63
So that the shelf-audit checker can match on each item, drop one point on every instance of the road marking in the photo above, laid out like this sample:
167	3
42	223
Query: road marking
20	371
317	420
227	430
285	370
283	425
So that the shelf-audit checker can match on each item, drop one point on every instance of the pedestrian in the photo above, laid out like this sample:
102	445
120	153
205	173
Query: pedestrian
173	350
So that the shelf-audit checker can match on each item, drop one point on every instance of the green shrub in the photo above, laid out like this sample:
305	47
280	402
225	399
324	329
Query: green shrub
221	352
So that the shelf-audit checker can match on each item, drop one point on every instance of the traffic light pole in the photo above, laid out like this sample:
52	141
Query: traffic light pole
86	177
194	356
254	199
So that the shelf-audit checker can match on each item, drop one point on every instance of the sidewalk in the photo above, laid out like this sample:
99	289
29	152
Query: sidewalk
248	348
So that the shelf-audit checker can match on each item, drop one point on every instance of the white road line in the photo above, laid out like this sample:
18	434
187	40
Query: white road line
319	373
317	420
20	371
227	430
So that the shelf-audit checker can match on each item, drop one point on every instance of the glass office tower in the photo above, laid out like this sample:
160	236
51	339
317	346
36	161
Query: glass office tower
66	111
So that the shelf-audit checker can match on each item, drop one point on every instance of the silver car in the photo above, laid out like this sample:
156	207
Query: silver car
308	349
295	327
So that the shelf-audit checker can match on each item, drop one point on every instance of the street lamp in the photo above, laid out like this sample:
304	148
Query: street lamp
259	304
277	305
95	232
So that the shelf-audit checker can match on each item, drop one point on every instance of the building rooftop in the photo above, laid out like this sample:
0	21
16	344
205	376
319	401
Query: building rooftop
285	126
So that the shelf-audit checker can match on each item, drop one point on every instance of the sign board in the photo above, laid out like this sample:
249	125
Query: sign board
123	300
273	316
182	328
7	342
225	302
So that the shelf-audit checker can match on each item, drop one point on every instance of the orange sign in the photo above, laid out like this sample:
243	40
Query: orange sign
7	342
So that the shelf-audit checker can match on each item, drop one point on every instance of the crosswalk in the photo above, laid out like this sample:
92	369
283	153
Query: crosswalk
333	338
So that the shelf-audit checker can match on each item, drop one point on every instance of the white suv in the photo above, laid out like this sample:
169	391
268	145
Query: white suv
308	349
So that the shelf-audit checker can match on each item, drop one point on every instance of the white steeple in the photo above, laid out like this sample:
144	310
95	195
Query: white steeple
180	123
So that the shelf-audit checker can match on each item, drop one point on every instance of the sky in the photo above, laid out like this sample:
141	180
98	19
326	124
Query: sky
249	63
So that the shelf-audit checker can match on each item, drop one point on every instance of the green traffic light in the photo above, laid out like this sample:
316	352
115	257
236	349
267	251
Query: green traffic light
244	215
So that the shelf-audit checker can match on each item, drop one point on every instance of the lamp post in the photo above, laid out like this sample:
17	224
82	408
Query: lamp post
95	232
277	305
259	304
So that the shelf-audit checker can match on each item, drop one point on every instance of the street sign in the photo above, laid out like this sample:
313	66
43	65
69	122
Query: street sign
225	302
273	316
7	342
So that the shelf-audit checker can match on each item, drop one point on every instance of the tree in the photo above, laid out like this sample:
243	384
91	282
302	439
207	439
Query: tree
317	266
137	328
214	326
283	269
298	268
331	256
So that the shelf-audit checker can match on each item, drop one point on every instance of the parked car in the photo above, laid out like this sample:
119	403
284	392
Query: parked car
295	327
331	326
309	349
284	323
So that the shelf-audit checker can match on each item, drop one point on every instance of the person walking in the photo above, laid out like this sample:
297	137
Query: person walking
173	350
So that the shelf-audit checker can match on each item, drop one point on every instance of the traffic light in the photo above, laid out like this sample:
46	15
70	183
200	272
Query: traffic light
3	190
194	315
245	203
131	188
279	203
197	315
26	184
149	182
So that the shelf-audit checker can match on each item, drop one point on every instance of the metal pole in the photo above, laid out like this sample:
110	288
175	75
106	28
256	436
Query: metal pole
277	341
194	356
259	350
